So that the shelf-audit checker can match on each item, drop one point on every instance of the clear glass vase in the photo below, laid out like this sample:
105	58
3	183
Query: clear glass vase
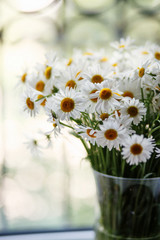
128	208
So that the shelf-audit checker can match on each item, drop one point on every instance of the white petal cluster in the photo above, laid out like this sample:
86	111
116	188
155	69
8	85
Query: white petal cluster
104	96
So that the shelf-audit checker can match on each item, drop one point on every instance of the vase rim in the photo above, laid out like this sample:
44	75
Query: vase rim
125	178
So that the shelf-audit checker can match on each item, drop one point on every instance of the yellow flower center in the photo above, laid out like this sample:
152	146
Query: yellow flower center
30	104
54	125
48	72
69	62
104	116
88	53
128	94
122	46
23	78
43	102
114	64
93	99
111	134
136	149
157	55
97	79
71	84
67	104
132	111
90	135
145	52
105	93
141	72
40	86
104	59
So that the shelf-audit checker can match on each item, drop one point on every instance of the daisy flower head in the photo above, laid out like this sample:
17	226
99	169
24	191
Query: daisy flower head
95	74
57	127
87	133
90	103
123	44
111	134
134	109
38	82
34	146
129	88
137	149
124	120
108	97
142	71
69	78
29	101
23	78
155	50
142	52
68	103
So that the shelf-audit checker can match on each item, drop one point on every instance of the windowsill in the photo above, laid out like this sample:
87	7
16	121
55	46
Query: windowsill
68	235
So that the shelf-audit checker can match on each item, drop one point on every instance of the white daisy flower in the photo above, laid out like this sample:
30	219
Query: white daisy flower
87	133
155	50
137	149
23	78
134	109
129	88
111	134
69	78
90	103
57	127
68	103
124	120
123	44
108	97
29	101
38	82
141	71
34	147
143	51
95	74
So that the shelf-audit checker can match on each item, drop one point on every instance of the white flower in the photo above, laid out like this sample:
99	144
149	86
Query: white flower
111	134
90	103
141	71
134	109
29	101
23	78
123	44
107	96
34	146
87	133
95	74
123	120
142	52
69	78
37	82
137	149
68	104
155	50
129	88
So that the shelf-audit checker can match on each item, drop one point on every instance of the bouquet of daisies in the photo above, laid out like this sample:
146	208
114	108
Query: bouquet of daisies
110	100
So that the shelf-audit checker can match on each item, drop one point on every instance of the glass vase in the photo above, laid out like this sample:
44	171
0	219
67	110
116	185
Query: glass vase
128	208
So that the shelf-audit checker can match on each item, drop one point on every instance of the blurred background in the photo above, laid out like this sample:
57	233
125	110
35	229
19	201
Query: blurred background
55	190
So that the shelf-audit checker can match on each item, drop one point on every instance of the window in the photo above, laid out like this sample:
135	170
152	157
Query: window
55	190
